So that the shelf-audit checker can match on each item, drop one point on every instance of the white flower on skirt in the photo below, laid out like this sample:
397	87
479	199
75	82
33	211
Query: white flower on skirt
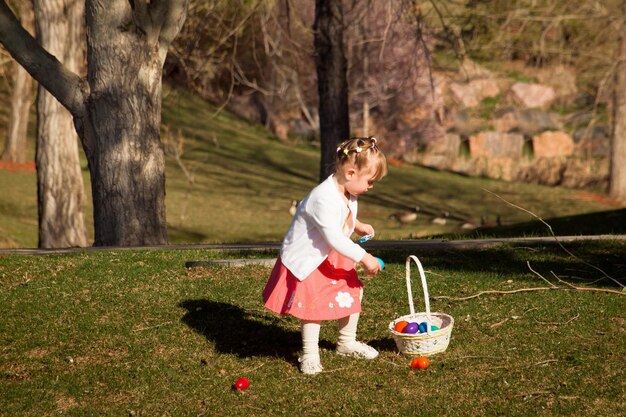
344	299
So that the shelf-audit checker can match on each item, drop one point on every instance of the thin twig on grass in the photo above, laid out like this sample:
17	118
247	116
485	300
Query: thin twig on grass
393	363
434	273
512	317
535	394
560	280
479	357
247	371
545	362
557	323
539	275
140	329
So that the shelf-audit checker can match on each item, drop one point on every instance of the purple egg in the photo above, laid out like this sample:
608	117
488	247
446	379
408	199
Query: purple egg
411	328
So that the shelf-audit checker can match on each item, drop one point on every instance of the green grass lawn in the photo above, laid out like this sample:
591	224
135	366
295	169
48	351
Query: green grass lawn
245	180
133	332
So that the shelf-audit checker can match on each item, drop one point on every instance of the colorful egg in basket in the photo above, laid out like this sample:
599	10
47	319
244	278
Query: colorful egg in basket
431	341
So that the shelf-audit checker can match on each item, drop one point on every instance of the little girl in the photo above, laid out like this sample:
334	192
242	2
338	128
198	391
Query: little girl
314	278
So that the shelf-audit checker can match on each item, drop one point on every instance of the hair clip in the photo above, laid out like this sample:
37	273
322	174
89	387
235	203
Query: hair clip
358	149
346	151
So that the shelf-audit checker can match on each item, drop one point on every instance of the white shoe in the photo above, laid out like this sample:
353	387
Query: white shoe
310	366
357	350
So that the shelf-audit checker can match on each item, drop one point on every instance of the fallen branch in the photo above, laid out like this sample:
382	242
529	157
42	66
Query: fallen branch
539	275
445	297
557	240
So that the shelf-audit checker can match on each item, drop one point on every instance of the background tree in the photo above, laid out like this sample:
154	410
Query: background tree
21	98
254	58
116	108
258	59
392	88
332	83
60	188
617	183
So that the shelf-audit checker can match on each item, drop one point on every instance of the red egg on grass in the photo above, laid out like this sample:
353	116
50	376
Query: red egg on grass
420	362
241	384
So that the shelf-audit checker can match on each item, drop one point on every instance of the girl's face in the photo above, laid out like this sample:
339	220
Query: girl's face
359	181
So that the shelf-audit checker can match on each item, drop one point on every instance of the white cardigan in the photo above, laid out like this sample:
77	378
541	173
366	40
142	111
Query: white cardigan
317	228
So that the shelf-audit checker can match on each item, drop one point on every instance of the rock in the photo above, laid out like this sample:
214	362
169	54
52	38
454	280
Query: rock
552	144
471	93
442	153
561	78
532	95
593	142
470	70
579	119
547	171
462	122
280	128
492	144
602	132
502	168
505	121
591	172
526	121
250	106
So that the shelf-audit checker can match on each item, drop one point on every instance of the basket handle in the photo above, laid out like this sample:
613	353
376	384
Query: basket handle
424	286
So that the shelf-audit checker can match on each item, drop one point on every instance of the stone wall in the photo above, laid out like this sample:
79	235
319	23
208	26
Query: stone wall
520	139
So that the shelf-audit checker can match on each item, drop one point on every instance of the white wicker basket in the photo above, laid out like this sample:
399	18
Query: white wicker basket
422	344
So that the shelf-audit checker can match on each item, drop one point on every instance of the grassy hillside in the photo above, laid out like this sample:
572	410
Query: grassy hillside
135	333
244	180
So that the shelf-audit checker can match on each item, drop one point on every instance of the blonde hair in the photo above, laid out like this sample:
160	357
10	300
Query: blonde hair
360	152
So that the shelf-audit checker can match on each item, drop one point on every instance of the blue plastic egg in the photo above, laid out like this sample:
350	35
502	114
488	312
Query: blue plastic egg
422	327
382	264
411	328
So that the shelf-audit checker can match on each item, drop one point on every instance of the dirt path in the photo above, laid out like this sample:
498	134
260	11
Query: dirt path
399	245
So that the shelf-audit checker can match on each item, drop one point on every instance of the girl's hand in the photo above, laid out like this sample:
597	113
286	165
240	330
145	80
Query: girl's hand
371	264
363	229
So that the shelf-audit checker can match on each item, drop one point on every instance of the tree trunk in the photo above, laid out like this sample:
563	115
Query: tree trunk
60	188
332	82
116	109
21	96
617	183
128	170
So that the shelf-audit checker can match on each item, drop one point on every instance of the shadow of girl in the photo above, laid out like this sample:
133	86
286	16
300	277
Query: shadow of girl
234	330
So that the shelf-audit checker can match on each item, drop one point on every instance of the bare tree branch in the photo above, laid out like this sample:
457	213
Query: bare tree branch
169	16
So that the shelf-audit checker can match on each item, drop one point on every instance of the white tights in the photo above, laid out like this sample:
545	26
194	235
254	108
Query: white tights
311	334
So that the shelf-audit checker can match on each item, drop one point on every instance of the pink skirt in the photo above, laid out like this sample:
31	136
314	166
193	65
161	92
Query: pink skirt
331	292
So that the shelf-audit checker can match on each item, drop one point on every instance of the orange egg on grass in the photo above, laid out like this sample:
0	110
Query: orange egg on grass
420	362
399	327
